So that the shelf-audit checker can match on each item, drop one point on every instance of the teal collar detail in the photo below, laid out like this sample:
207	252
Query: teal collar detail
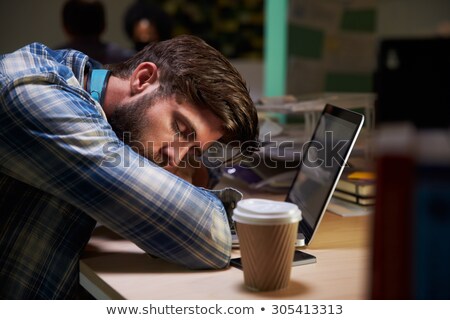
96	85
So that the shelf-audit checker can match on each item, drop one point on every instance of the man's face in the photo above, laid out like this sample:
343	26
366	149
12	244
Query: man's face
164	130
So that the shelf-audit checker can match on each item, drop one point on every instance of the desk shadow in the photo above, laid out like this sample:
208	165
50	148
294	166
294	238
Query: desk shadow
102	232
295	288
91	251
331	245
125	262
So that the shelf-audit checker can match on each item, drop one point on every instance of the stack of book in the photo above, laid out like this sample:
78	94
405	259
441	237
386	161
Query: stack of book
357	187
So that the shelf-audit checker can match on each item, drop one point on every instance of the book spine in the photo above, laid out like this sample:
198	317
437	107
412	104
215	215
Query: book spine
366	201
362	201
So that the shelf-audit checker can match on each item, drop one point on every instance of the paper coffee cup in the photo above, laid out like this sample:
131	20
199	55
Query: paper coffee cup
267	232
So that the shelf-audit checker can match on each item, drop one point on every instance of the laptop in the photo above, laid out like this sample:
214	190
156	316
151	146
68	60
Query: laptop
323	160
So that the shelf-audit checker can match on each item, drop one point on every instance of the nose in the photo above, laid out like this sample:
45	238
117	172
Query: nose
176	153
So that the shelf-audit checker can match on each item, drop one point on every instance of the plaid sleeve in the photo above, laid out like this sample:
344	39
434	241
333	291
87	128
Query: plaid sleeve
55	139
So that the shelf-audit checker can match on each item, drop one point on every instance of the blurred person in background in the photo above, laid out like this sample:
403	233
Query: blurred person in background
84	23
145	22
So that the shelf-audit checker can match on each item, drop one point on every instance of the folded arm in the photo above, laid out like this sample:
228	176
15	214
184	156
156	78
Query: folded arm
58	142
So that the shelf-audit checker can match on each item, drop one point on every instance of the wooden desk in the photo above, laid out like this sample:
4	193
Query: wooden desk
114	268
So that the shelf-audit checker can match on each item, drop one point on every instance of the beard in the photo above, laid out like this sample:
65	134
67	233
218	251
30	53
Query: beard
128	121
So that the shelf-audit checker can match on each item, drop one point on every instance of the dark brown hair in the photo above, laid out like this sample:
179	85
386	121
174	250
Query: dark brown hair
191	70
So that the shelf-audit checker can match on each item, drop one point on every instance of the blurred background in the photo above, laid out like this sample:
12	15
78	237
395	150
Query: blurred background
222	23
332	43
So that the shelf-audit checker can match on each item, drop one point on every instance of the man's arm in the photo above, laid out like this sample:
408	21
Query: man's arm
198	175
58	142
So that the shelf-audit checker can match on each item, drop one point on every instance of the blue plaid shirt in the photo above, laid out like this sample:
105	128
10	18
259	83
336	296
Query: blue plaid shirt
62	169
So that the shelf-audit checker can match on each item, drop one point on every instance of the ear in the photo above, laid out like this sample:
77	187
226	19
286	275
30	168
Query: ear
145	75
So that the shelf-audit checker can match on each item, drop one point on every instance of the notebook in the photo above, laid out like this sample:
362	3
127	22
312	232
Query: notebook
323	160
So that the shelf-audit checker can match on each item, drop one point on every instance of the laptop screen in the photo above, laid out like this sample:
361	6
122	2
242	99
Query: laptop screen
323	160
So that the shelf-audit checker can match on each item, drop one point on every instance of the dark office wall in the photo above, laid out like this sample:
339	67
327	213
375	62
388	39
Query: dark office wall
411	18
333	43
25	21
235	28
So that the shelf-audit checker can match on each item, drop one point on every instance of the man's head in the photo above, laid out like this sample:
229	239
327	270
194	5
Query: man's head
191	85
146	22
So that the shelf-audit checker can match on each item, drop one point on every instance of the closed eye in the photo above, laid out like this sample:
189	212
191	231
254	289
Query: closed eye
185	127
176	127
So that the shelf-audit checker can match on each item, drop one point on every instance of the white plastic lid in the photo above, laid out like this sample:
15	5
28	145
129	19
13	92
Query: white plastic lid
266	212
